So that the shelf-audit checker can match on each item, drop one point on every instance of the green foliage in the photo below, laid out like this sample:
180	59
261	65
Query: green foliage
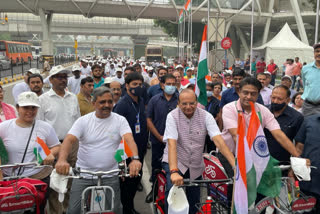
314	4
5	36
172	30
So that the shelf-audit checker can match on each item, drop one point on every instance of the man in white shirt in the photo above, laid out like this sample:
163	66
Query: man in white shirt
85	69
265	92
75	80
112	70
60	109
23	86
99	134
119	78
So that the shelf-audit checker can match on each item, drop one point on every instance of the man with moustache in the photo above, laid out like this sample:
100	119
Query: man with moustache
35	82
116	90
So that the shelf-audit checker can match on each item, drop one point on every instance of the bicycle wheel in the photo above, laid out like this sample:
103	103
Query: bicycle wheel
158	198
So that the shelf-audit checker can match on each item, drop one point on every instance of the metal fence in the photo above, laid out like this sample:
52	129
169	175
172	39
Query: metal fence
21	67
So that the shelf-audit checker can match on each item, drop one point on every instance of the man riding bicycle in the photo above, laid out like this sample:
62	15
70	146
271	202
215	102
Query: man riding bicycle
99	134
185	133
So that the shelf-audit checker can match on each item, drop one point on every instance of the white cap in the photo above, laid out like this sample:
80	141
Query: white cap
34	71
119	70
108	80
28	99
75	68
286	77
104	61
179	66
57	70
150	68
143	64
267	73
84	60
190	68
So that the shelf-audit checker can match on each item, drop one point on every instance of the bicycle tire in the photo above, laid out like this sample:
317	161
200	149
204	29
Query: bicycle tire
157	208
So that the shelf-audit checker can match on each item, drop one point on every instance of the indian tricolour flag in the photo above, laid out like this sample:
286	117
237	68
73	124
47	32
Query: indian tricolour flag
181	16
123	152
200	87
41	150
187	6
255	168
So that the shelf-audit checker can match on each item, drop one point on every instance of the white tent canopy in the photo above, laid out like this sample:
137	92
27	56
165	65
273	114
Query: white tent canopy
283	46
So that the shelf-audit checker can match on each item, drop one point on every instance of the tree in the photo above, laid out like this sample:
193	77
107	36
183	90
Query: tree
172	30
314	4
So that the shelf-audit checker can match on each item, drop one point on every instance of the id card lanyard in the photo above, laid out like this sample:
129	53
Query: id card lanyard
137	124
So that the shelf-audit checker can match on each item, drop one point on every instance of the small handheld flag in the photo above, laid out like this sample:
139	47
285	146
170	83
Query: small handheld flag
41	150
123	152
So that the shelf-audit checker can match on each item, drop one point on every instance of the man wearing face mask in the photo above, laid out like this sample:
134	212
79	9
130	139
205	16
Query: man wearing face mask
158	108
132	107
156	89
288	118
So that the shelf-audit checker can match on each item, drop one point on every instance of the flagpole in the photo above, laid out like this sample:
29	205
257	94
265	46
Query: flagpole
184	32
251	42
179	39
208	57
317	24
191	29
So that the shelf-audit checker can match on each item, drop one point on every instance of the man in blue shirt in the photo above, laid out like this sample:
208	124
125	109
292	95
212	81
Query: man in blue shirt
158	108
131	106
232	94
307	144
157	89
310	77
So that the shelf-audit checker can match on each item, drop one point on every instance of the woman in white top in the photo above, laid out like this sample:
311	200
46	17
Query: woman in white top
15	134
7	111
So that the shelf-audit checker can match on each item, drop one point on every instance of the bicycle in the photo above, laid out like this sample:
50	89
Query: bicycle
19	194
290	201
93	198
213	171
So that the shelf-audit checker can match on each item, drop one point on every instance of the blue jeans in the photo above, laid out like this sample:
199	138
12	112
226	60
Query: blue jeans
193	193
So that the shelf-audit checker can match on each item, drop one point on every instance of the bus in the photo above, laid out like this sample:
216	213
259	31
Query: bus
36	51
17	51
154	53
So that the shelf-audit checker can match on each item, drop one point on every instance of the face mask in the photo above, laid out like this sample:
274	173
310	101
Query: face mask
137	91
277	107
169	89
209	93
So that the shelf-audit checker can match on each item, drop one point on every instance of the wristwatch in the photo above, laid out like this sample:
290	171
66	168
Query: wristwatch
135	157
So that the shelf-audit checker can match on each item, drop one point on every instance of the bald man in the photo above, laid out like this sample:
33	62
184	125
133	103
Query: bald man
182	156
115	87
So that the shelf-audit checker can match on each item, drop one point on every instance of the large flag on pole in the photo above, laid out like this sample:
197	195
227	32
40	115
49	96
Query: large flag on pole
187	6
200	88
256	171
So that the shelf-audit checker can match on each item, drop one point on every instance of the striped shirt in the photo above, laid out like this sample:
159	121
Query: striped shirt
190	135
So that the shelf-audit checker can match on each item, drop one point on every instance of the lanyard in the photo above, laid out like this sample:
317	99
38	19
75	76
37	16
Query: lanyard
138	112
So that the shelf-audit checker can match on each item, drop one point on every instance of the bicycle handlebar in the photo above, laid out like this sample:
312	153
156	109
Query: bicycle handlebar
17	165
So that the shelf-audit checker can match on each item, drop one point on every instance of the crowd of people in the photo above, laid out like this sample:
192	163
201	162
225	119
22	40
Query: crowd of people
90	108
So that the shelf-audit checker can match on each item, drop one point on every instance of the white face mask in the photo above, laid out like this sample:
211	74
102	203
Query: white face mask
209	93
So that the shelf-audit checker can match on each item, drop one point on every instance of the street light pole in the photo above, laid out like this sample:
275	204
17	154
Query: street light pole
317	24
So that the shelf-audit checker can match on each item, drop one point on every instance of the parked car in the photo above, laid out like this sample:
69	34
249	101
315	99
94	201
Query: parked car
4	63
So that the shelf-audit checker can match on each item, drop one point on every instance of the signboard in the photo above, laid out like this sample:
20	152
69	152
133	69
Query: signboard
226	43
216	29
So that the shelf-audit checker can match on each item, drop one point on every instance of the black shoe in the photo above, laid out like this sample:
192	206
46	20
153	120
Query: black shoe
134	211
140	187
149	197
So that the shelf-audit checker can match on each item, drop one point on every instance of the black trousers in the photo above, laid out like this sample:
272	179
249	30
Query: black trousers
128	189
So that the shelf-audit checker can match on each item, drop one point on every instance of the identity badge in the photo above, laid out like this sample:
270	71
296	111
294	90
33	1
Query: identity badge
137	128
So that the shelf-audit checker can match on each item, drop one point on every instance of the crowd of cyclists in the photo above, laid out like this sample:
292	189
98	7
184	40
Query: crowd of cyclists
91	107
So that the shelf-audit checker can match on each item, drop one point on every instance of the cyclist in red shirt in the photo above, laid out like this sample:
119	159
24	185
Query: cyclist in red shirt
261	66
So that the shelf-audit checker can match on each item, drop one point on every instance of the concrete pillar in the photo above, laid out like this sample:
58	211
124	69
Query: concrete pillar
268	22
242	39
140	44
47	44
235	42
301	29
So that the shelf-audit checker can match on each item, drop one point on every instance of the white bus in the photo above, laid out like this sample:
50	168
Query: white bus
36	51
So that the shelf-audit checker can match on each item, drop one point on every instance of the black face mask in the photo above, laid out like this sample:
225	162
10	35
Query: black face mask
137	91
277	106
